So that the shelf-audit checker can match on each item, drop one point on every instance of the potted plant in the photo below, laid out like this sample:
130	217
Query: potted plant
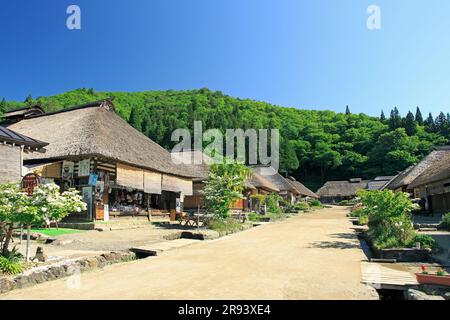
439	278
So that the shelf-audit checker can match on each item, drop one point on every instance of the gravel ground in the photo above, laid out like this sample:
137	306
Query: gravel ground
312	256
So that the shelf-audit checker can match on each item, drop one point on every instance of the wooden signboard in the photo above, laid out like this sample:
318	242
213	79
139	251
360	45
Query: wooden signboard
30	182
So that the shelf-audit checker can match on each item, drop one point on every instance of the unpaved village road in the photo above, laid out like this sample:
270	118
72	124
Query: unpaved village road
312	256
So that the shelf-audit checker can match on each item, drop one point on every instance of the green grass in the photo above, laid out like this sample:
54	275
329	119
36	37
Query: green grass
53	232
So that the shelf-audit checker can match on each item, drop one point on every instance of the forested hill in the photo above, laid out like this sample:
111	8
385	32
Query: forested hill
315	146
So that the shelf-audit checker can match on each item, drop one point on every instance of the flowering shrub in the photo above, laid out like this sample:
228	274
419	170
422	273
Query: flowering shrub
47	204
389	218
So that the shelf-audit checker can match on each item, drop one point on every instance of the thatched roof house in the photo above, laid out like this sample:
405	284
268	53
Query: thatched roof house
12	147
437	170
405	178
433	184
19	114
336	191
379	182
90	146
92	130
287	190
261	182
303	190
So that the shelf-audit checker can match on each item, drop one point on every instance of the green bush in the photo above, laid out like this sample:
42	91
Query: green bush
253	216
225	226
316	203
389	219
10	266
446	221
425	240
363	220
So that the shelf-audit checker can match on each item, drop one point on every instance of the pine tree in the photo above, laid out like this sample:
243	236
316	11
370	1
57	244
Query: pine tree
3	106
133	120
419	117
409	123
29	100
395	121
145	126
429	124
441	123
347	110
382	117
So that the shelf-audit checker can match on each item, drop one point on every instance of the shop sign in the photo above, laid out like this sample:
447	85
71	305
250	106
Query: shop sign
30	182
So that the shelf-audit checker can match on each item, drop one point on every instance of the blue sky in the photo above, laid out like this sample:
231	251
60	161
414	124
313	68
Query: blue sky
313	54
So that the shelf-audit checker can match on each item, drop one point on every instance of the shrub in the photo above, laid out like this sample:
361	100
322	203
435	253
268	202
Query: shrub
446	221
425	240
316	203
389	218
253	216
10	266
224	226
363	220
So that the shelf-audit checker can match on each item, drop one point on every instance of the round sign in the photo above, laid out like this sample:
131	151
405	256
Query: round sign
29	182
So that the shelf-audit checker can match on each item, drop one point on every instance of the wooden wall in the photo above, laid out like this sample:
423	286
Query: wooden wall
10	163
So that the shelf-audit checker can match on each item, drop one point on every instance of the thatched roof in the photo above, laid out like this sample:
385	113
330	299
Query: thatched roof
261	182
21	113
275	178
379	182
11	137
198	171
406	177
436	171
303	190
96	130
341	188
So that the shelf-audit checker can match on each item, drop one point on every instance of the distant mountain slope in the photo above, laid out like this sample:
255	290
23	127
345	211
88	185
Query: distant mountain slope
315	145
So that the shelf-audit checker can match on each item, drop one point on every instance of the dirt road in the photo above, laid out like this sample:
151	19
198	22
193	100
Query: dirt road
313	256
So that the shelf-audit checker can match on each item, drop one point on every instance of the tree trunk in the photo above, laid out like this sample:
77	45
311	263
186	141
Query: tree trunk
7	240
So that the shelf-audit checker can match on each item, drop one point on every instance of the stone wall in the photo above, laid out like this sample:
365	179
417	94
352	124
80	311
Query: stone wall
61	269
10	163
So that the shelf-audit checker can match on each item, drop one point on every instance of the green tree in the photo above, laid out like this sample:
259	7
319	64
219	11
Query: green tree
395	121
29	101
429	124
134	119
225	185
419	117
3	106
409	124
382	117
347	110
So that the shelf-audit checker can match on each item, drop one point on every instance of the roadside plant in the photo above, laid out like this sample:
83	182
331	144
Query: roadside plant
389	220
225	185
10	266
446	221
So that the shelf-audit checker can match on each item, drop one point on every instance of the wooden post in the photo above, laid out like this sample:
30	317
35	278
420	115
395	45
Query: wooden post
27	252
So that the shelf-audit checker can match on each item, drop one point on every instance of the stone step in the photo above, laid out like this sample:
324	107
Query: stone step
159	247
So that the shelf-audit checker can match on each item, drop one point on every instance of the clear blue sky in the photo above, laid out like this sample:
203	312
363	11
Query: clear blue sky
314	54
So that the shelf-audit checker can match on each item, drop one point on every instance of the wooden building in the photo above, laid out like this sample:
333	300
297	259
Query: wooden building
119	170
404	179
336	191
433	184
287	190
304	192
13	145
